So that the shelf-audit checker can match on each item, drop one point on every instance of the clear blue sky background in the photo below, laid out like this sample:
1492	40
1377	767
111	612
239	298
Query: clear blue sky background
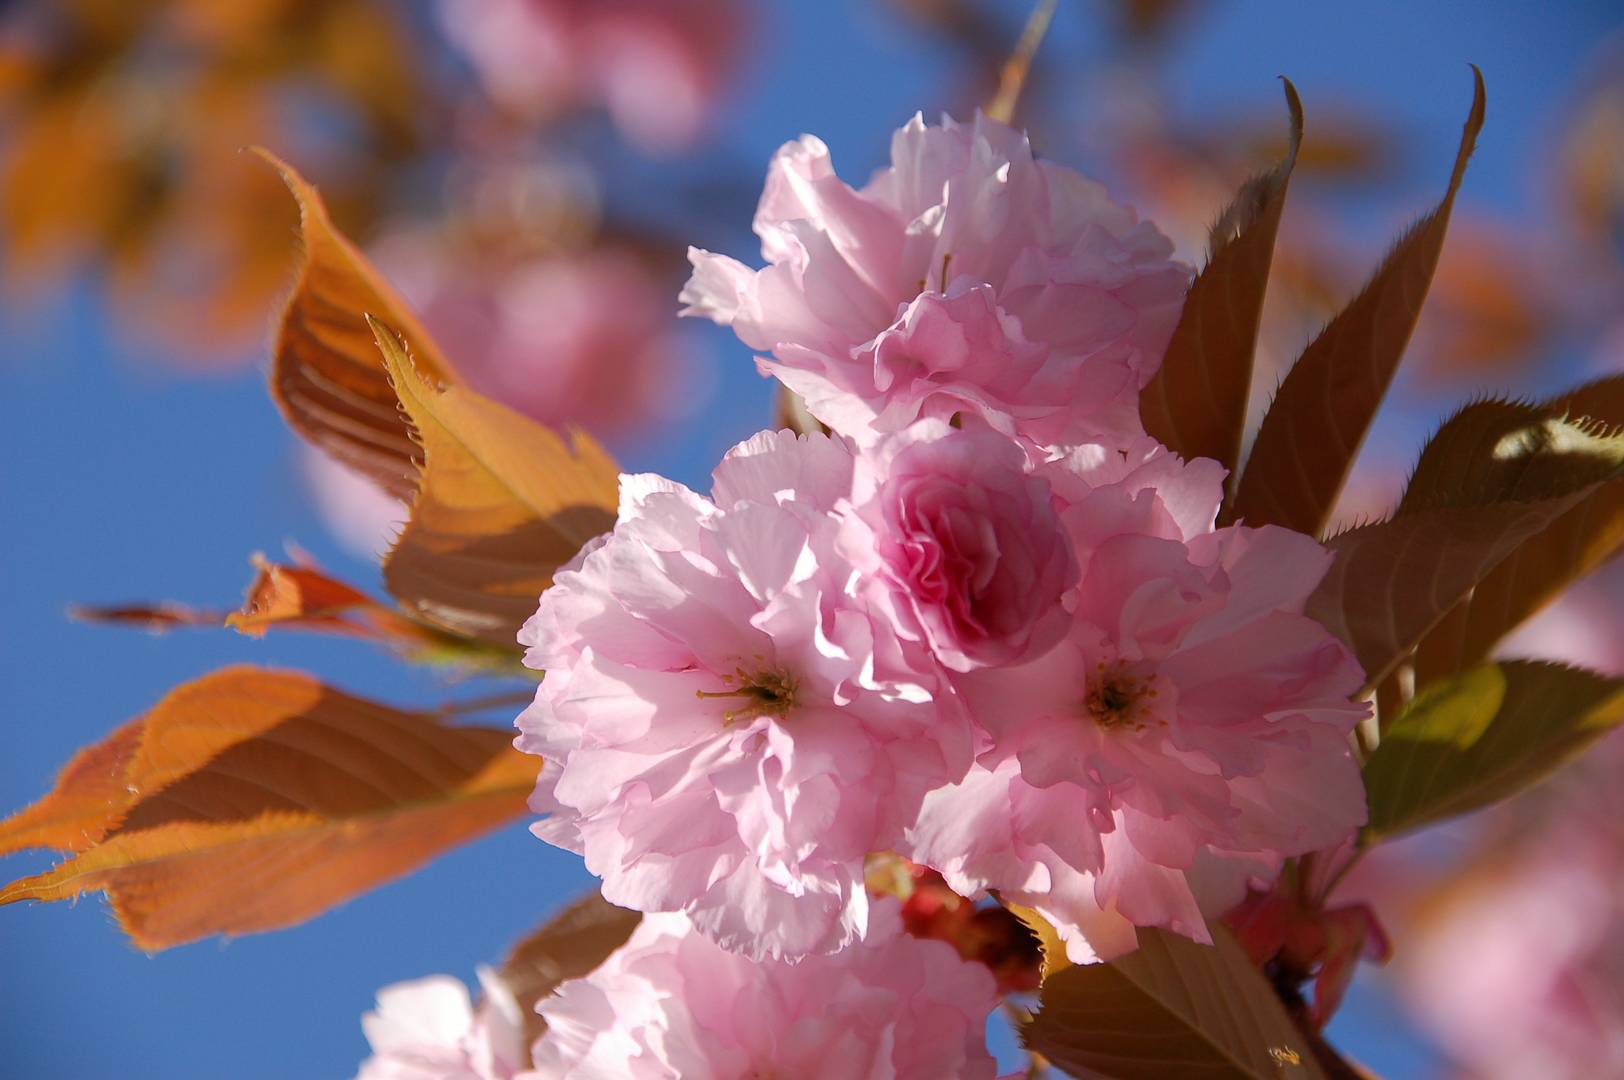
119	482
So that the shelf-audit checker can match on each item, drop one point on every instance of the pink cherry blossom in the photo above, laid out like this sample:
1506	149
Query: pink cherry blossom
658	66
428	1029
1189	732
727	731
960	544
670	1004
968	277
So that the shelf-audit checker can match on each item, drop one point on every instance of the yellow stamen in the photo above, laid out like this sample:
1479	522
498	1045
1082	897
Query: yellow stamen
767	693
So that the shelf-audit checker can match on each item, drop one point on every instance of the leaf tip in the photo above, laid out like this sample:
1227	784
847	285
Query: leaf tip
1294	106
1474	125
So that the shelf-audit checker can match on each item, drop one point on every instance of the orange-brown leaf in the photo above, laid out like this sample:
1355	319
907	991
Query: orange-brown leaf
325	372
502	503
89	794
570	945
1196	403
259	799
295	596
193	723
303	597
1322	411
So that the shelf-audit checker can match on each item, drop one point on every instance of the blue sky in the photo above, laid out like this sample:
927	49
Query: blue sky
123	482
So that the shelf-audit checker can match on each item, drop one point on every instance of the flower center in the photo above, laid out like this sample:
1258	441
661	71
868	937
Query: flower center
1119	698
764	693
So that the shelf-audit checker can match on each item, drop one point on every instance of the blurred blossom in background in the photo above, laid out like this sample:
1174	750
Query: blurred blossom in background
659	67
529	173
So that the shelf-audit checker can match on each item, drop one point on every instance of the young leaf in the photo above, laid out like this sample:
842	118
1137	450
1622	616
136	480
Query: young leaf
1170	1008
1053	948
90	792
1320	414
253	800
1502	451
502	503
1491	480
325	372
1196	403
1482	736
570	945
1533	575
193	723
302	597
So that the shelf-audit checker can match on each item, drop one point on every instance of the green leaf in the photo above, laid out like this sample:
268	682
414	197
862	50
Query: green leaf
1196	403
1494	477
1322	411
1482	736
1170	1008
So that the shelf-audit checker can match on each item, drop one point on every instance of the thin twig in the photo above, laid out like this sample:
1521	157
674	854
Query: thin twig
1012	80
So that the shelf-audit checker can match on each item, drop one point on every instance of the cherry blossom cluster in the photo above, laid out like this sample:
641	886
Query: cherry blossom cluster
671	1004
985	623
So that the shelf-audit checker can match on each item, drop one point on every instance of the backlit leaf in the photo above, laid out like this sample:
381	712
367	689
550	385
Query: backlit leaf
1537	572
193	723
326	374
502	503
1196	403
1483	735
1492	479
300	596
570	945
1049	941
90	792
1324	407
793	414
253	800
1170	1008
